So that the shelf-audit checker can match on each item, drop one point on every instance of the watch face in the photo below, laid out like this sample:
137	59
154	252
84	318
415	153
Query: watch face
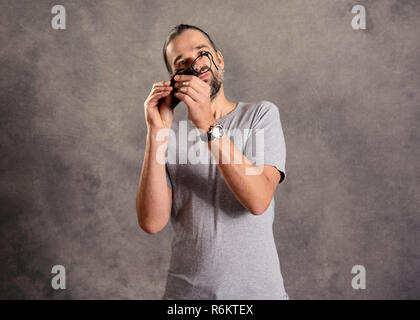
217	131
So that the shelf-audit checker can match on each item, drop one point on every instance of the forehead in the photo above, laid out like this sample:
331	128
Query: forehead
185	43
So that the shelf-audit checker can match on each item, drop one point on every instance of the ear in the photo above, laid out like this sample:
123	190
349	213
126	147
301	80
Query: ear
220	59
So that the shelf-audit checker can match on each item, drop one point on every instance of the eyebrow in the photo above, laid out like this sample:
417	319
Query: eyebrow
196	48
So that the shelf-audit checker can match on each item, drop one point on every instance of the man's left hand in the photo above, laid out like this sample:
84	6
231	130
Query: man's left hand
195	93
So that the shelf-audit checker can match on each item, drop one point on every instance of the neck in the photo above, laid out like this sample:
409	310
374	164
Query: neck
220	105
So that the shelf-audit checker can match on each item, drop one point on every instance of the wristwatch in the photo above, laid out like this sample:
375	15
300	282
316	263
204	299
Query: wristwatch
216	132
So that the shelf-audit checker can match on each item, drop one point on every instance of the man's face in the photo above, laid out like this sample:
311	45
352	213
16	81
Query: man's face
182	51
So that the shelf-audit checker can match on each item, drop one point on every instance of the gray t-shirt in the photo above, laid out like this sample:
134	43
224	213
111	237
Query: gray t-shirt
220	250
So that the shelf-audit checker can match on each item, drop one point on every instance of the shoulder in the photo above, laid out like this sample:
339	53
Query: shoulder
261	108
268	108
262	111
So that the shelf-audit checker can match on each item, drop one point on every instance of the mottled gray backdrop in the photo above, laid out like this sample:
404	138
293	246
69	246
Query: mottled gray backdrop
73	137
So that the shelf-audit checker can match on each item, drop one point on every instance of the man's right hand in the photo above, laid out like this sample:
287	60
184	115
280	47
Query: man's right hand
157	110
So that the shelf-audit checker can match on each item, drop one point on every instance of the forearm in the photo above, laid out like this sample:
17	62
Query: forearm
247	181
152	200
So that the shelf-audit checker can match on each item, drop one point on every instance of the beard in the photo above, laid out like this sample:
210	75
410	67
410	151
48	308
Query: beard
215	84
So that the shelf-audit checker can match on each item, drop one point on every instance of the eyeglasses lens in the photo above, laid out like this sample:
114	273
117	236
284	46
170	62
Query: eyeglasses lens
202	64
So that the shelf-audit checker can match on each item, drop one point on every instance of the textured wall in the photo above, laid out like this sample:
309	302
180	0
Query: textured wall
73	135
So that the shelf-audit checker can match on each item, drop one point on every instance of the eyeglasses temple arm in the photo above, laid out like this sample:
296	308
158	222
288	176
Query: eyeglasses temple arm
213	60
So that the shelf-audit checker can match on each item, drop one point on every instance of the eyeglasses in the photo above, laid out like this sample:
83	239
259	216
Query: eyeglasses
200	65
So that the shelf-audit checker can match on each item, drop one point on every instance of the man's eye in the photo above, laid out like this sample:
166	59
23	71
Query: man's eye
181	63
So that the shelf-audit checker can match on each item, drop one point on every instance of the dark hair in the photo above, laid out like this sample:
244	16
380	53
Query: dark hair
176	31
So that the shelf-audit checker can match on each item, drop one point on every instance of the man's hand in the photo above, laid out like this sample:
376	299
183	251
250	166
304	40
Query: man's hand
157	110
196	95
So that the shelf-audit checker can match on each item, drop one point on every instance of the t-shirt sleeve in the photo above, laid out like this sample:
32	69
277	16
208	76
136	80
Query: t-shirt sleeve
265	144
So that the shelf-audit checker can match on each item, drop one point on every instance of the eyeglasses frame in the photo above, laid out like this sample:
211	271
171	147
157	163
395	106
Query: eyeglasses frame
204	53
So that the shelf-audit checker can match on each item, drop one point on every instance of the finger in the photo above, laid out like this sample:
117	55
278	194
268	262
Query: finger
160	89
192	92
186	98
159	95
180	84
187	78
183	77
200	86
196	83
161	84
200	90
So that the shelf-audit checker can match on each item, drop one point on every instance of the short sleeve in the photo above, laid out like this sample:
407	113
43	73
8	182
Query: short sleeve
265	143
